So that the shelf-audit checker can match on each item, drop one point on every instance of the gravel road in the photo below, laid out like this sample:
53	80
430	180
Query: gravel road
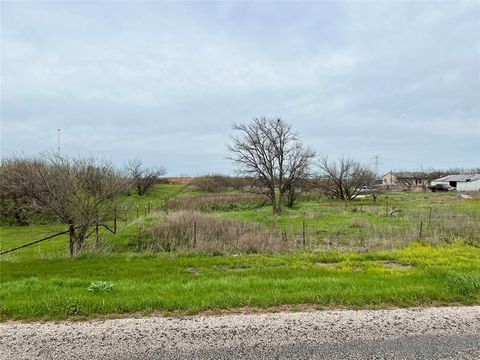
420	333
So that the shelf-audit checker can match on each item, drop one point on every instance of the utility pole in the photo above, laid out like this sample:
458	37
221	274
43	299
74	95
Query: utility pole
58	141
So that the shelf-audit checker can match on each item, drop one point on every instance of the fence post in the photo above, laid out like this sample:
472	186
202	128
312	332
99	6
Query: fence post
137	211
303	232
145	209
115	220
386	209
430	215
421	228
71	232
194	234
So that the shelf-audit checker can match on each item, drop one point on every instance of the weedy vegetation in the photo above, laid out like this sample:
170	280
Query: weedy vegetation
100	287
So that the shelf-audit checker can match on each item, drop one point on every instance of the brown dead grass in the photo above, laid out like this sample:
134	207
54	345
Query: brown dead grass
204	233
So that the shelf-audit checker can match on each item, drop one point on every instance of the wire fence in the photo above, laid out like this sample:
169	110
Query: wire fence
200	233
369	227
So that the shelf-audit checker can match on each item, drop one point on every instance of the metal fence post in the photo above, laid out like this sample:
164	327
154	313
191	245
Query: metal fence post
303	232
115	220
194	234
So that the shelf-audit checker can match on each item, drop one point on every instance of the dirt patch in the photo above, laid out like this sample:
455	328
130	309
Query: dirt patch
396	265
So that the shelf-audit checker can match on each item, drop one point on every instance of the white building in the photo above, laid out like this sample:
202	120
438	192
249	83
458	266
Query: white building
469	182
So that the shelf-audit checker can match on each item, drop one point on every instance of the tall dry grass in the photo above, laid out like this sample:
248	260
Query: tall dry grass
199	232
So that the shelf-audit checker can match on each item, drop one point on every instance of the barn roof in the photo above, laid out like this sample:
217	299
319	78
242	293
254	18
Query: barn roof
460	178
407	174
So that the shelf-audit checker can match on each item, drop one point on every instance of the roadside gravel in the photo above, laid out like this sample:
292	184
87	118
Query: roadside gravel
418	333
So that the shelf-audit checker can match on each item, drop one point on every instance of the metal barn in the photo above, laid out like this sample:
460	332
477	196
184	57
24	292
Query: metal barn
462	182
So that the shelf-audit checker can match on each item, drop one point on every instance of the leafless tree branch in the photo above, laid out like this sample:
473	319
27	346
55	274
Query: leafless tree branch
344	178
142	178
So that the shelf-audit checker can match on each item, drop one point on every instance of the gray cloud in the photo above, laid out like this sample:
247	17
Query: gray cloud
165	81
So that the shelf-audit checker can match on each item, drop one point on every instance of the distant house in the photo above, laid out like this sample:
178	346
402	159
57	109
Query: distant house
461	182
404	181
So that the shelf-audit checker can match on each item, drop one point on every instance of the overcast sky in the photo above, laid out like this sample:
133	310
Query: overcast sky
165	81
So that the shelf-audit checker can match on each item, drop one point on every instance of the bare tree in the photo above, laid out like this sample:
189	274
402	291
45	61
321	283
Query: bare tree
78	191
273	155
143	179
345	178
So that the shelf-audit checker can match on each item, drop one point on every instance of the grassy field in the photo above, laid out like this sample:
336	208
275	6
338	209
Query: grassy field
416	275
441	267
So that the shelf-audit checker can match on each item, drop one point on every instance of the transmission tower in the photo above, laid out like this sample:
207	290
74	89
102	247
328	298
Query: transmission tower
377	159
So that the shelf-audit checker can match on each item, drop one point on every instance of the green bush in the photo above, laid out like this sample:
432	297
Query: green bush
100	287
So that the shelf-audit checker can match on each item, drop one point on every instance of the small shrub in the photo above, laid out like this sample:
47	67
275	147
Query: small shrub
207	184
100	287
74	309
212	183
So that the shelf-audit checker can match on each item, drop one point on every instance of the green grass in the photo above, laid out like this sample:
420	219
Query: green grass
362	218
13	236
59	288
127	207
331	213
41	283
